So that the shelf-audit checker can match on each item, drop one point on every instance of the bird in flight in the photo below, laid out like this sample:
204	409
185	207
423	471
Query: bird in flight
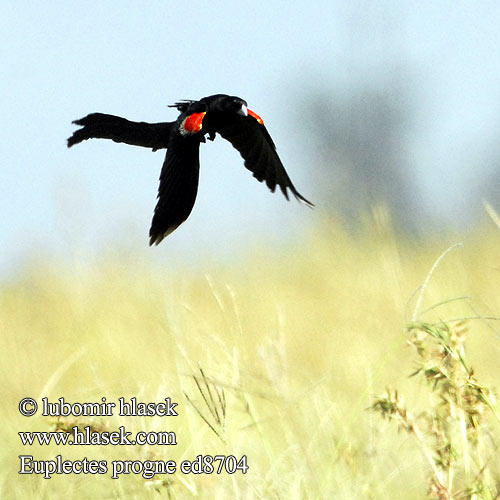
226	115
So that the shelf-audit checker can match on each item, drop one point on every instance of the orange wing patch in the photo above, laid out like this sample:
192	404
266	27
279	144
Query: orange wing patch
256	116
193	123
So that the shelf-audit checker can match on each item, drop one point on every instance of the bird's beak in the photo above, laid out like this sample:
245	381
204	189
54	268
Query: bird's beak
243	110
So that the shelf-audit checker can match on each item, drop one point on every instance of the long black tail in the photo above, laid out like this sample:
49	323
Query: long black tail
103	126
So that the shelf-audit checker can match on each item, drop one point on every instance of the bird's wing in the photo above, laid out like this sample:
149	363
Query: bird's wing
178	186
103	126
251	138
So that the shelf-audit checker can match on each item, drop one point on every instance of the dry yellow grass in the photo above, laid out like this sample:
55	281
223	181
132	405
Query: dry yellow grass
298	342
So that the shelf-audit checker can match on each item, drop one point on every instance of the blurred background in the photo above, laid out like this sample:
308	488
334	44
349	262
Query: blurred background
386	116
368	102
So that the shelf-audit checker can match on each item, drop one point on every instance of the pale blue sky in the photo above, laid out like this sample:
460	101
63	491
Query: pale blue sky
61	61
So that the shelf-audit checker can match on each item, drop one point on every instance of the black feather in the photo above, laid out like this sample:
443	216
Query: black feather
222	114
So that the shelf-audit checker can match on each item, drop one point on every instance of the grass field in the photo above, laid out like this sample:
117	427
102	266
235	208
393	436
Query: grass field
279	356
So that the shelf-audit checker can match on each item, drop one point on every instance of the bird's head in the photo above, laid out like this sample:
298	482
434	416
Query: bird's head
223	103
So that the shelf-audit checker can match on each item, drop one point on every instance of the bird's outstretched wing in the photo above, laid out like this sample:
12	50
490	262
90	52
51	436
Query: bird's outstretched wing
251	138
103	126
178	186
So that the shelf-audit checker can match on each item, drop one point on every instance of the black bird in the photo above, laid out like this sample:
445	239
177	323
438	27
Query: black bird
219	113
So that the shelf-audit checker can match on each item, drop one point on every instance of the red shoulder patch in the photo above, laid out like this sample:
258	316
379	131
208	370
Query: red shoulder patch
193	123
256	116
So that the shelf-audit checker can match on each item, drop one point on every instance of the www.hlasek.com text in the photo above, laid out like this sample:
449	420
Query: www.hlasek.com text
89	437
